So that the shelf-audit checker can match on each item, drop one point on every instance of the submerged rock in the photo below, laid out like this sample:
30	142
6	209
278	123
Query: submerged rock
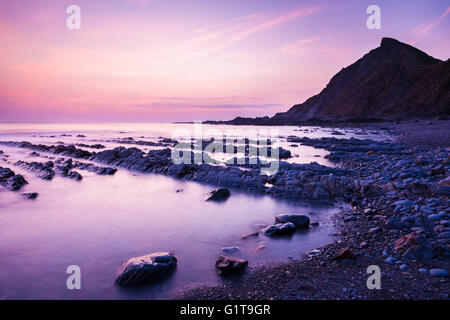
144	269
221	194
250	235
42	170
230	250
228	265
300	221
279	229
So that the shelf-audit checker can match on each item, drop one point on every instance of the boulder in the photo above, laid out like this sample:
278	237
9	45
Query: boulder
75	175
228	265
221	194
144	269
279	229
300	221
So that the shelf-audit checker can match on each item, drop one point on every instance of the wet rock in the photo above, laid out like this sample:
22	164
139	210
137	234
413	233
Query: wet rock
30	196
250	235
438	273
230	250
42	170
93	146
229	265
375	230
390	260
10	180
423	270
300	221
221	194
260	248
438	170
345	254
396	224
106	171
280	229
445	182
144	269
283	153
444	235
74	175
414	246
403	267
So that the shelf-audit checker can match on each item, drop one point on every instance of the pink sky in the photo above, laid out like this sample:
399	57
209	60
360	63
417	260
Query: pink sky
155	60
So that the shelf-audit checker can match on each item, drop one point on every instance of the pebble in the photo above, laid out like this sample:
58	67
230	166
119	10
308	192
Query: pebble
403	267
375	230
434	217
444	235
390	260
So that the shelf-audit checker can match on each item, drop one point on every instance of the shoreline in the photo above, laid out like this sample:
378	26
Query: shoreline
368	231
364	177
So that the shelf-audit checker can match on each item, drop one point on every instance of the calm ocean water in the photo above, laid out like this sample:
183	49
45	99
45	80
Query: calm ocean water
102	221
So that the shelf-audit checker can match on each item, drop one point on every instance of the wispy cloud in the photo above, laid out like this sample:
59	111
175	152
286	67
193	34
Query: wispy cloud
423	30
223	35
296	47
140	3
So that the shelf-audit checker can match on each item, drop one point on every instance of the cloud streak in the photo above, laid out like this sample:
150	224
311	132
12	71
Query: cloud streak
295	48
423	30
223	35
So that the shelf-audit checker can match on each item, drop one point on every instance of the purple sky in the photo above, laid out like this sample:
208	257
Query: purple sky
163	60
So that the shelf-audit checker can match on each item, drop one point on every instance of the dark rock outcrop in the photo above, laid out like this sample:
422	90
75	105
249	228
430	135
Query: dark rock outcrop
393	81
10	180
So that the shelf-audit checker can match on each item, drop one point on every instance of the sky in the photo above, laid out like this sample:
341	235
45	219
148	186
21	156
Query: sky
186	60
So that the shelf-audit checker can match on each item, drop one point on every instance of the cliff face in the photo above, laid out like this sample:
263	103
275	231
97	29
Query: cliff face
393	81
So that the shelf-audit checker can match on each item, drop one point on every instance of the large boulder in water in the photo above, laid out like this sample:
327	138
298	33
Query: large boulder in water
221	194
299	220
279	229
227	265
144	269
